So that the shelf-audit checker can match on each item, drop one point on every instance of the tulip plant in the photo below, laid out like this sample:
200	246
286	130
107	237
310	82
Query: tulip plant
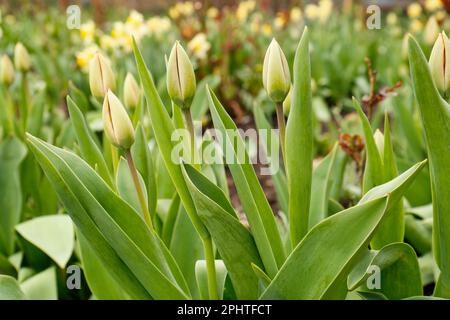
145	224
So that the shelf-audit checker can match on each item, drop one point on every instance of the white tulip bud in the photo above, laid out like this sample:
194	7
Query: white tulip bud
276	75
181	82
101	76
6	70
116	122
440	62
21	58
131	91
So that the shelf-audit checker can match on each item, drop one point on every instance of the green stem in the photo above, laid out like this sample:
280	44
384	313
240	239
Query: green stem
282	128
190	127
210	268
139	190
207	241
25	102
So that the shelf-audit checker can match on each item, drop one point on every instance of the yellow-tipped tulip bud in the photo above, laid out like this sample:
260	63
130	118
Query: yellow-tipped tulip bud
440	62
180	77
287	103
131	91
379	141
276	76
116	122
101	76
21	58
6	70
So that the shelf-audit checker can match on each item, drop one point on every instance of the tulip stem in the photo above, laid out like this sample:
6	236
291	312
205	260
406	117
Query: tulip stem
190	127
25	102
282	128
210	268
139	190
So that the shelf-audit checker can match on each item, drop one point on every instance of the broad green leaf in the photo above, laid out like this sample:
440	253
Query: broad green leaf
7	268
299	143
89	148
199	104
392	229
234	243
41	286
53	234
321	183
10	289
201	276
435	114
163	128
251	194
144	164
98	276
373	171
418	234
170	220
12	153
279	178
318	267
186	247
121	226
399	275
263	278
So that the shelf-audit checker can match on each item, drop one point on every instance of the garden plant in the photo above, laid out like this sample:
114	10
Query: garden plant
129	168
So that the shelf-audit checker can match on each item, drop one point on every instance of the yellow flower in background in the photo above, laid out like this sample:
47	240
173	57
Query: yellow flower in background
414	10
107	42
296	14
325	9
87	31
432	5
181	9
199	46
244	9
158	25
85	56
135	19
391	18
312	11
279	21
416	26
266	29
212	13
440	15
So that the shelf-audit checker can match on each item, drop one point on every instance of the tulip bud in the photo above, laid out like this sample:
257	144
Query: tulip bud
439	62
6	70
116	122
21	57
276	76
131	91
379	141
180	77
431	31
287	103
101	76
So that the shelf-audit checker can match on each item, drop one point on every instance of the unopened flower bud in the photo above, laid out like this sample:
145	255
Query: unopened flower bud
6	70
101	76
180	77
379	141
431	31
21	58
287	103
276	76
131	91
116	122
440	62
